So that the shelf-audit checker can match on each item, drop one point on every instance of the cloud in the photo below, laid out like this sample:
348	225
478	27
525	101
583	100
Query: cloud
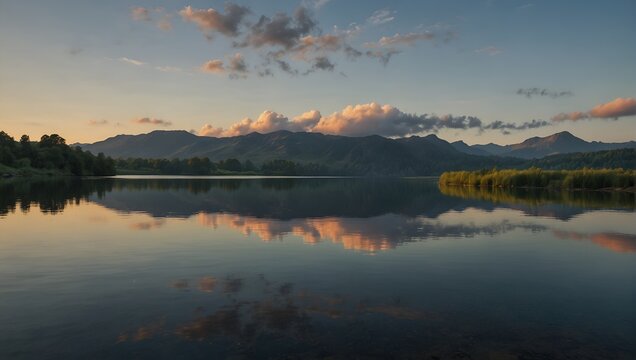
323	63
384	56
402	39
382	16
150	121
530	92
614	109
235	67
573	116
281	30
211	20
364	120
214	66
140	14
387	120
308	119
283	38
489	50
132	61
144	14
317	44
162	68
97	122
388	46
505	127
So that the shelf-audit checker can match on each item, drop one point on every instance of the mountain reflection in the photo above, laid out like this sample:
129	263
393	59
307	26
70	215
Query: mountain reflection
359	214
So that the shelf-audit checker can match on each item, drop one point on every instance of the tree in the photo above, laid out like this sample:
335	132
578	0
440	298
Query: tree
231	165
52	140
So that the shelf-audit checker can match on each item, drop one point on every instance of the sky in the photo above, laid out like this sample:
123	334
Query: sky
480	70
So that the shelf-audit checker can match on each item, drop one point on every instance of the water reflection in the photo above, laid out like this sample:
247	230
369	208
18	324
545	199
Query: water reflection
360	214
368	234
272	309
625	243
543	202
209	268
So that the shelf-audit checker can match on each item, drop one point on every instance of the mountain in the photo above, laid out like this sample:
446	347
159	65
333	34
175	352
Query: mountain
467	149
368	155
538	147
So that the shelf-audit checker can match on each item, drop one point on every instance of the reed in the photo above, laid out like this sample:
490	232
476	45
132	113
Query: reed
592	179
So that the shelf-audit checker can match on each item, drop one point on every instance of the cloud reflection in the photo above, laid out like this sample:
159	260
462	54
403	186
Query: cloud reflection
148	225
617	242
362	234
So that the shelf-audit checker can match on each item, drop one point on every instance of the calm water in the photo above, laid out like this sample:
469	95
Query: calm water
313	268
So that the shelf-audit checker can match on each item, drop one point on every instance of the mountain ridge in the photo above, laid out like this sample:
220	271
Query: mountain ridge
536	147
367	155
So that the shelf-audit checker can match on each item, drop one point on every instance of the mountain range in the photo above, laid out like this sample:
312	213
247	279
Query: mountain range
367	155
538	147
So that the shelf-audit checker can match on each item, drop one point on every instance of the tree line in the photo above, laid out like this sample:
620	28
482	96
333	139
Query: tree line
204	166
51	154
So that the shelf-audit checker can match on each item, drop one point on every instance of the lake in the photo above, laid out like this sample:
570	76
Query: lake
209	268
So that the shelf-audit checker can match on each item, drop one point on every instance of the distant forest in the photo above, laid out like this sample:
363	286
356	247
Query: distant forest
203	166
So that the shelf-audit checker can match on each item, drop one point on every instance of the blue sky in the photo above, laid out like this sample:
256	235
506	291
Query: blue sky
63	68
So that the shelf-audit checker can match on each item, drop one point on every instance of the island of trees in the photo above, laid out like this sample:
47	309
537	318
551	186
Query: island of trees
592	179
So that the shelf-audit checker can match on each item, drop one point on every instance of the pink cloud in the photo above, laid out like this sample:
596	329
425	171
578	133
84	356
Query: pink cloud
211	20
214	66
140	14
360	120
614	109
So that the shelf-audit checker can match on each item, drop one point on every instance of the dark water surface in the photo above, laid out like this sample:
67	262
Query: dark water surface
313	268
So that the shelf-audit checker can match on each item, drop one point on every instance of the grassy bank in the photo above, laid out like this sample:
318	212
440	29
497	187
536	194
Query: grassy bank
538	178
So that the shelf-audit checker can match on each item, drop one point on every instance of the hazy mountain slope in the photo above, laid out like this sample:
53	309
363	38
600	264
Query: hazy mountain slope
157	144
538	147
619	158
467	149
